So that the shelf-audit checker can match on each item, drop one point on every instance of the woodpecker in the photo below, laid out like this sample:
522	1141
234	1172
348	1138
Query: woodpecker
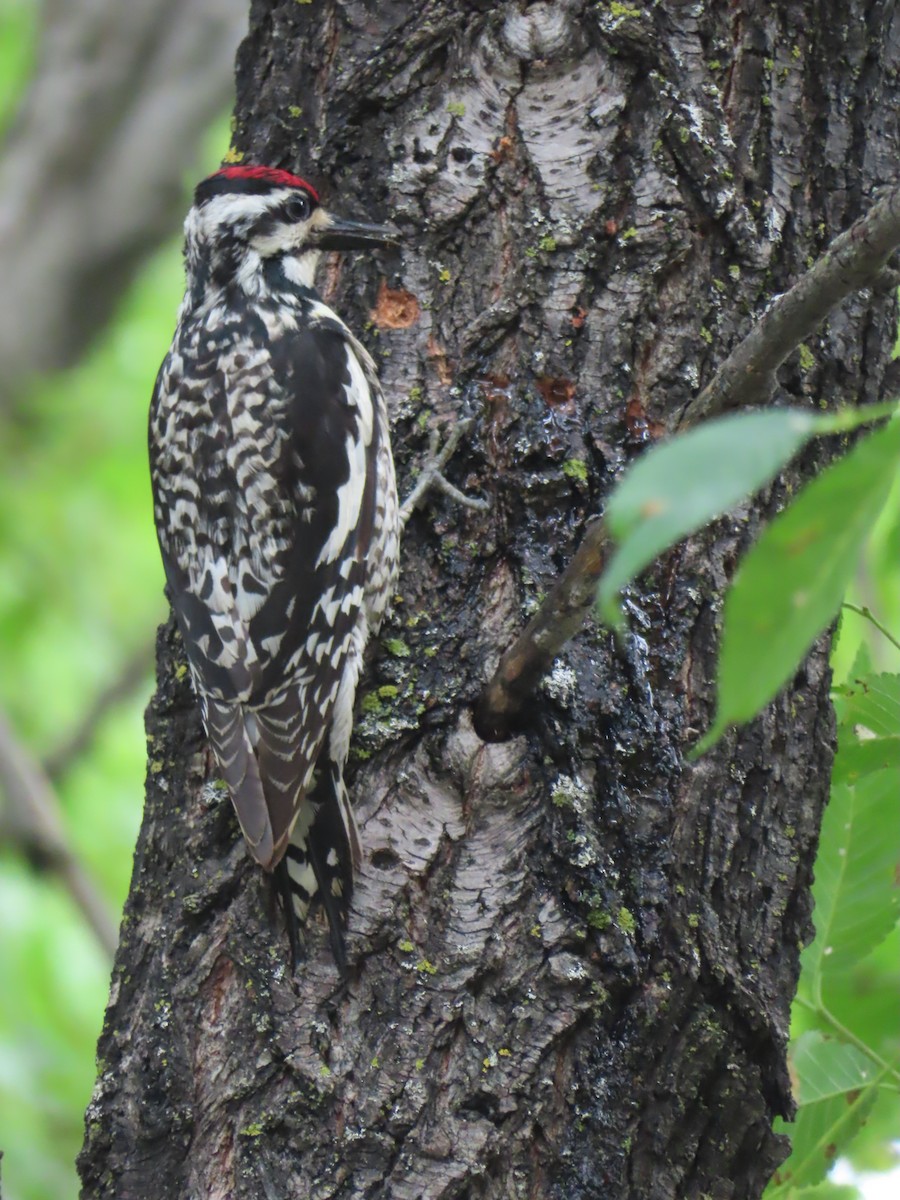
276	509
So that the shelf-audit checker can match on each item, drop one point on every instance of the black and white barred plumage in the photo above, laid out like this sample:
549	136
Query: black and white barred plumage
276	510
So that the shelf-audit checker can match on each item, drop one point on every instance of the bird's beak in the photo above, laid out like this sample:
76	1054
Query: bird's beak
340	234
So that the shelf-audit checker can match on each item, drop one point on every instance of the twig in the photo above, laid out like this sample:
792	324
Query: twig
530	656
33	822
855	259
136	669
869	616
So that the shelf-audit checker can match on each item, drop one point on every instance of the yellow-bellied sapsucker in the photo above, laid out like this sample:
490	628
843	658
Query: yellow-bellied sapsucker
276	510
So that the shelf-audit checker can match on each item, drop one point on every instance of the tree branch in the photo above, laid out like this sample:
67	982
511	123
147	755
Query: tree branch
136	670
32	821
431	474
529	658
854	260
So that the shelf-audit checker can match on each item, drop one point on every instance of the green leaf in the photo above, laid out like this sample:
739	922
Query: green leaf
856	895
872	701
830	1191
791	583
863	1000
835	1087
861	758
678	487
825	1068
826	1191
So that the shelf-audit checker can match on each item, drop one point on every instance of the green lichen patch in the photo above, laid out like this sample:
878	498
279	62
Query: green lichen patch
626	921
576	468
623	12
397	647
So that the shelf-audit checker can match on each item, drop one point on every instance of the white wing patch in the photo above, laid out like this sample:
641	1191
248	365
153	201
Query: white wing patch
360	395
342	718
350	494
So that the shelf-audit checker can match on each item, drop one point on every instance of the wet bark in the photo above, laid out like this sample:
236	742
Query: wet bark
573	952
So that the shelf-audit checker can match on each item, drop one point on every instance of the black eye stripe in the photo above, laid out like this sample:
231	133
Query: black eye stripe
294	209
266	225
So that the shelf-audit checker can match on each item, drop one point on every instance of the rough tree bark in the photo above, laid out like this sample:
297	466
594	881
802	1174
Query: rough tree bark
574	954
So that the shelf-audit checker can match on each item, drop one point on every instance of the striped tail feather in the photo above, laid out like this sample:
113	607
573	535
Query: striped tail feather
307	838
322	854
230	740
285	734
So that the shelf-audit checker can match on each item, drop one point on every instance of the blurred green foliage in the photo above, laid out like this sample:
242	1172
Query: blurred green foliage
81	594
81	589
18	39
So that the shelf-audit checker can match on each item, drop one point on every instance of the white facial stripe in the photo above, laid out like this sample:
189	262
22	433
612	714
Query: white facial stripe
248	273
286	236
290	235
301	269
231	209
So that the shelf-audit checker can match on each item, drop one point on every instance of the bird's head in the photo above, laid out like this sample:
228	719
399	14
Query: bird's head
248	220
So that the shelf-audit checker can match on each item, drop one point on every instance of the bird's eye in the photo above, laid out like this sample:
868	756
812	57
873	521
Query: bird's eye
298	207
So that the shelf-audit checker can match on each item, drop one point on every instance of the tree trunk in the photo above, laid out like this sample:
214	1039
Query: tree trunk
573	953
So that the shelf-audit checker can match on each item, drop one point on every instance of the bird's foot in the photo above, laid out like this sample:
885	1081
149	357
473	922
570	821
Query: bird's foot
431	475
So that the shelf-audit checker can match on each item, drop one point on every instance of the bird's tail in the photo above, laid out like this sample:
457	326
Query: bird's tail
313	856
322	855
232	745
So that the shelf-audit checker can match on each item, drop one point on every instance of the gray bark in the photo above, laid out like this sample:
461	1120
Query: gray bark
574	953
